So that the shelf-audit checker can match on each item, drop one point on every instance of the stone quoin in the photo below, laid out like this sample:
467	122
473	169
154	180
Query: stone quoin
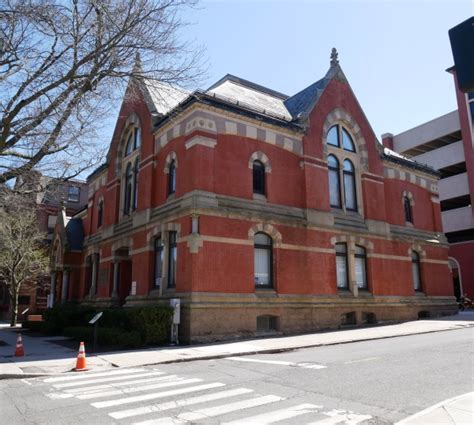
262	212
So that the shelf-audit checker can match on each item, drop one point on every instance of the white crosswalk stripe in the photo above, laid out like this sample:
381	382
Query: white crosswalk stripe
161	394
174	383
98	388
179	403
101	380
277	415
210	412
84	375
193	400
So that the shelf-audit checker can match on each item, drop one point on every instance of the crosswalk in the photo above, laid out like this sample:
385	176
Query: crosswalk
142	396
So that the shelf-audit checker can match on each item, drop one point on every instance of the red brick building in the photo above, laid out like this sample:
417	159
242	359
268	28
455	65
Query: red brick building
261	212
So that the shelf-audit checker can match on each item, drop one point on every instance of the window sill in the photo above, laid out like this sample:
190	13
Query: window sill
265	291
344	292
364	293
409	224
259	197
171	196
420	294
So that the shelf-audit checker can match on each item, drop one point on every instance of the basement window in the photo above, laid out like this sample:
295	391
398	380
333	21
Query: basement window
267	323
369	318
348	318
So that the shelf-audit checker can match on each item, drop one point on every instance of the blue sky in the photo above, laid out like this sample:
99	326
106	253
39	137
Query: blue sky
394	53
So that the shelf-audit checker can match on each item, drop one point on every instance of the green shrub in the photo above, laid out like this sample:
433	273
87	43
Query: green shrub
33	326
153	323
133	326
80	333
110	337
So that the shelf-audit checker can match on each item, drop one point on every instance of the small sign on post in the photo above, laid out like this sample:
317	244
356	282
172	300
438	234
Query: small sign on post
95	321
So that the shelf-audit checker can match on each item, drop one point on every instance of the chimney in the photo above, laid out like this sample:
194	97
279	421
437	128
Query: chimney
387	140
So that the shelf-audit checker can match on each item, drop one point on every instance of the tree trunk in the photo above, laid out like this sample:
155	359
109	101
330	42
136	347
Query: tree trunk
14	312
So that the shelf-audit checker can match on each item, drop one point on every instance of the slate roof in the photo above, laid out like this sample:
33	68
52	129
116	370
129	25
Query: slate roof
251	95
163	96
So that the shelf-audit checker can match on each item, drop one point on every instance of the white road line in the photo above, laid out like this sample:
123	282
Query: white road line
368	359
213	411
92	375
244	359
161	394
347	419
179	403
98	388
277	415
174	383
277	362
100	380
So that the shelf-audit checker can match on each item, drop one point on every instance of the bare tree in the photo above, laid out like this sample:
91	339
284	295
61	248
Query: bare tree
64	62
23	255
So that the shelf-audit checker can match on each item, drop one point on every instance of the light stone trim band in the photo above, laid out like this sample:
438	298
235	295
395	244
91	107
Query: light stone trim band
397	174
209	122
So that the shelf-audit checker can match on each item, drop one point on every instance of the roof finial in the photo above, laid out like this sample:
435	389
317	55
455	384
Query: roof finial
334	54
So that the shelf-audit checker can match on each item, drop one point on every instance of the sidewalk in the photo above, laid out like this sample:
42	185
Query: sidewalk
44	357
458	410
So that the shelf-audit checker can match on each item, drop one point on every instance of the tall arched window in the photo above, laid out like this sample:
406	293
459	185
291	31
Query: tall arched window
334	182
342	178
258	178
407	209
350	196
263	258
135	186
130	169
172	178
416	270
342	269
100	214
360	266
128	189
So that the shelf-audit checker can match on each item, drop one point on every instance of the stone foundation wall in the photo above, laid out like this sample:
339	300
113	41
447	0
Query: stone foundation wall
207	323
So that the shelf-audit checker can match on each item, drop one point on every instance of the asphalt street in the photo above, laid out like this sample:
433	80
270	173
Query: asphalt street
376	382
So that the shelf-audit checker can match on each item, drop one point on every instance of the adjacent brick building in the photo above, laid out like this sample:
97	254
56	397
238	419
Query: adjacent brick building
260	211
447	144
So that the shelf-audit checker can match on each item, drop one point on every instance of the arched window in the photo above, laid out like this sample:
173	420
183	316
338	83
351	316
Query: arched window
416	270
342	164
172	258
342	270
360	267
339	137
263	258
408	210
100	214
258	178
172	178
334	182
135	186
350	197
128	189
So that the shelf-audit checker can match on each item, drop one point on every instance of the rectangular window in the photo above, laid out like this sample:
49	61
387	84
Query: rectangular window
415	269
360	267
172	257
341	266
159	259
73	194
262	267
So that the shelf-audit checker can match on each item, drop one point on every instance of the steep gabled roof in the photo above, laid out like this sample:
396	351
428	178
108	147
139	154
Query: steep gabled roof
302	103
162	97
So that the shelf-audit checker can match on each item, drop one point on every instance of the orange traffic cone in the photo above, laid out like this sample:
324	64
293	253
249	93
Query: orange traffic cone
81	359
19	352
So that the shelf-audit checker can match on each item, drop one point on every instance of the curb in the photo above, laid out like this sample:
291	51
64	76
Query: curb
238	354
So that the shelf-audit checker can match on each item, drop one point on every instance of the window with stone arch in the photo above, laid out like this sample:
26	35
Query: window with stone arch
408	203
130	169
343	166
